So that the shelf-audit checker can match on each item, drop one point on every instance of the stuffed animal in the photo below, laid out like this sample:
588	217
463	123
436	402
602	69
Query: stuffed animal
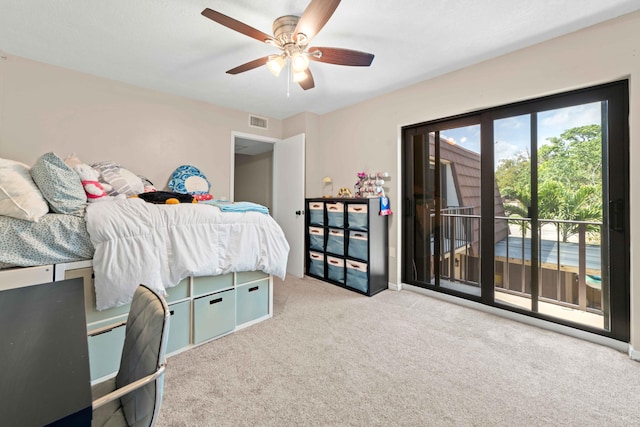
166	197
94	189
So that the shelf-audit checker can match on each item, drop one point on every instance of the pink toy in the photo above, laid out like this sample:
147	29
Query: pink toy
94	189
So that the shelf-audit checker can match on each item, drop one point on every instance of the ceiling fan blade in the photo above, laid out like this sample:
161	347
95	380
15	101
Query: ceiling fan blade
314	17
307	83
334	55
238	26
249	65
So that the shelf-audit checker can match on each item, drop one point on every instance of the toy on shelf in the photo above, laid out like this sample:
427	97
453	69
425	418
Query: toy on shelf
327	187
370	185
344	192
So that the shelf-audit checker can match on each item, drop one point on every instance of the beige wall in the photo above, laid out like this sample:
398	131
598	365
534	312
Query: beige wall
366	136
47	108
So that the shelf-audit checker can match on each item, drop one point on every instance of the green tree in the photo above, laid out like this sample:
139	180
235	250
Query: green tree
569	180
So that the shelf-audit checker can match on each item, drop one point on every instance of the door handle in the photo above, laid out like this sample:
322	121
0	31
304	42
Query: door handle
298	213
616	215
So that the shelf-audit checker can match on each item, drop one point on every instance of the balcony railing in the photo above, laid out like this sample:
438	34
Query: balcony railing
570	268
569	256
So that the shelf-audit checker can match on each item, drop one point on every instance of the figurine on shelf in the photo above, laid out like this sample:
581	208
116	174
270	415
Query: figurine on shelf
371	185
362	176
327	187
344	192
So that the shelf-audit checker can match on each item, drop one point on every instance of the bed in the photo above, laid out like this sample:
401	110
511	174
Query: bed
213	261
129	240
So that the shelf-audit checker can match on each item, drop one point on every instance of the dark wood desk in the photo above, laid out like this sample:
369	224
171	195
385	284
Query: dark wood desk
44	356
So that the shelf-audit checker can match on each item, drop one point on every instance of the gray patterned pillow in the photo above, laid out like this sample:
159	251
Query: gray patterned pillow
59	184
122	180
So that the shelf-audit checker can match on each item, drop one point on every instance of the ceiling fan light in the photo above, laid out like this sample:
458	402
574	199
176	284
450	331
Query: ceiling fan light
299	76
275	65
299	62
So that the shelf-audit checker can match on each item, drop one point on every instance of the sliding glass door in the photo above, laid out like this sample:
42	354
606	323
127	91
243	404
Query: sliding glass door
520	207
445	206
550	175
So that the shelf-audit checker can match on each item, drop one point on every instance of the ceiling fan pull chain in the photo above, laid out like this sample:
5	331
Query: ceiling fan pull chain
289	78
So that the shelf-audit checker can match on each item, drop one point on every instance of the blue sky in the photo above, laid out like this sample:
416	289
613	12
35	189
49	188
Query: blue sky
512	134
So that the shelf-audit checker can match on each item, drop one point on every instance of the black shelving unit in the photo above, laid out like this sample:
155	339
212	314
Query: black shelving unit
346	243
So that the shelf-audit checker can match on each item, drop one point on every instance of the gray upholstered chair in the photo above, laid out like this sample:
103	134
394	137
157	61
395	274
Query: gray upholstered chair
133	396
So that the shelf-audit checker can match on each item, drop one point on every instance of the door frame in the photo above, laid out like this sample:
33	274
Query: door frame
275	190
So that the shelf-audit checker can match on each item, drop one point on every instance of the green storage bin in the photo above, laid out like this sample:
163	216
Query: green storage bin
178	292
249	276
213	315
252	301
179	330
105	348
208	284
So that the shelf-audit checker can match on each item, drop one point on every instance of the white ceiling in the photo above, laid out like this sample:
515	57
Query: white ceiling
167	45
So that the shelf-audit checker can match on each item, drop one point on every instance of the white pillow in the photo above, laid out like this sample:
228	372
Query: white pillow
19	195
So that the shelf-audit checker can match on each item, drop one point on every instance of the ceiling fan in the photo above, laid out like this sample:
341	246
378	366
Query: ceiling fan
292	34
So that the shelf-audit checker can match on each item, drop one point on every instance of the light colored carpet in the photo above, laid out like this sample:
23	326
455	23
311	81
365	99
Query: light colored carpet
331	357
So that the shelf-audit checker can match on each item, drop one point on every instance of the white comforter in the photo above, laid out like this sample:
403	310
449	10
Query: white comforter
159	245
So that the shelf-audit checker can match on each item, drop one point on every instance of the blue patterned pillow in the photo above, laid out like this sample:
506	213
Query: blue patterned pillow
189	180
59	184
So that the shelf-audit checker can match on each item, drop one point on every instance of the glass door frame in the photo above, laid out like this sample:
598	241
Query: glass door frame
425	129
615	208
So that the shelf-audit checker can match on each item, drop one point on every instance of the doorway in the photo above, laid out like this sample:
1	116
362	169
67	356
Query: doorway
270	172
253	171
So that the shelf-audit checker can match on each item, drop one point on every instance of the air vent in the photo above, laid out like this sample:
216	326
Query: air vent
258	122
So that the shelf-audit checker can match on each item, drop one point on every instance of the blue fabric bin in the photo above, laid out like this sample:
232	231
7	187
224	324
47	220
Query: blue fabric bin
335	214
335	241
335	269
358	246
316	264
316	213
357	276
316	238
357	217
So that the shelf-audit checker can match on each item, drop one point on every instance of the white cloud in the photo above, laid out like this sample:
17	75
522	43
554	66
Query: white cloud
553	122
